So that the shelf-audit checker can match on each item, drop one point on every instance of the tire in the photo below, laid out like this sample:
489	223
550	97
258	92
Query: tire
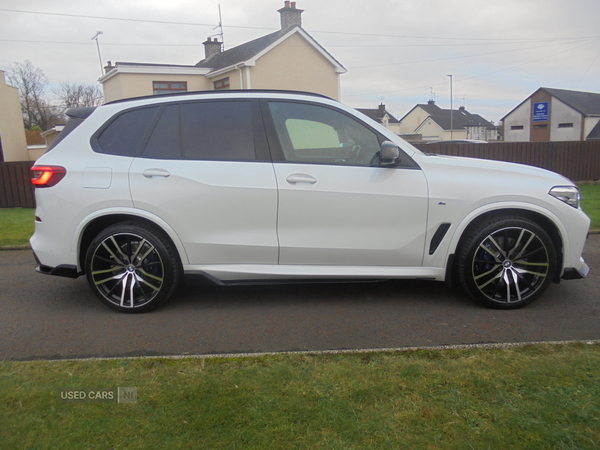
132	267
506	262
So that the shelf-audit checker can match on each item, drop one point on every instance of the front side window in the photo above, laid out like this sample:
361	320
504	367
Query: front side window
168	87
317	134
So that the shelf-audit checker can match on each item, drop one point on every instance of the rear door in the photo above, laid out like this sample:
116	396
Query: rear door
206	171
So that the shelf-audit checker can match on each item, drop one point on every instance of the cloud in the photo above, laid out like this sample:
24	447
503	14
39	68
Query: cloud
398	51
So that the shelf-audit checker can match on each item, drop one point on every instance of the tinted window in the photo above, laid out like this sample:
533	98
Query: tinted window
316	134
125	135
218	131
165	142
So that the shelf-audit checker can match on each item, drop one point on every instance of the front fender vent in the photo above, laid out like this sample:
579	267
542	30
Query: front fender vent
437	237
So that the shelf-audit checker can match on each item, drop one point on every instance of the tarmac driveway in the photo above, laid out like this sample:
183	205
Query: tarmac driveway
44	317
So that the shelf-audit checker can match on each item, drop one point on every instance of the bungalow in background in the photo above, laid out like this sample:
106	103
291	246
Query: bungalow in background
382	116
435	124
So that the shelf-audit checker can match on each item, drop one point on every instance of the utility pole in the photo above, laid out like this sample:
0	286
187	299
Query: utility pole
451	113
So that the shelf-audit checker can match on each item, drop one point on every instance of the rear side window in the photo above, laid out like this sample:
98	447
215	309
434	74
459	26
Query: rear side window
218	131
165	142
126	134
211	130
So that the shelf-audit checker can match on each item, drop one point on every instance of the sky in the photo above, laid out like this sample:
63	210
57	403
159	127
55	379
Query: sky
397	52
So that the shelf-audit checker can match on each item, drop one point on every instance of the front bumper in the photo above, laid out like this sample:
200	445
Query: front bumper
572	273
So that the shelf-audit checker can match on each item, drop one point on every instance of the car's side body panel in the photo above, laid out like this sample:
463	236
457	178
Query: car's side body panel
351	215
224	212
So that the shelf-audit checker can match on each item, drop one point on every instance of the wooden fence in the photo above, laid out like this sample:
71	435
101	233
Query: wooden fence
16	189
579	161
34	138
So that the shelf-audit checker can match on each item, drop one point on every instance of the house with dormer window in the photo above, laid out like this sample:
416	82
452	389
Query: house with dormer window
287	59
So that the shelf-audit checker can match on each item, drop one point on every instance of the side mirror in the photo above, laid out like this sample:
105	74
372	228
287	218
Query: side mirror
389	153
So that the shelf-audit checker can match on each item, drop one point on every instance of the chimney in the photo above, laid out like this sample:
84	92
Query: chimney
108	67
381	109
290	16
431	102
211	48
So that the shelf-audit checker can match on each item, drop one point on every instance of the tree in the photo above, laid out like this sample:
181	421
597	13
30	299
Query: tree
31	82
74	95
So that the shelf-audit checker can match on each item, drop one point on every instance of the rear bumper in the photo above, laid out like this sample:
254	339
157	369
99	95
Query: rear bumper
64	270
60	271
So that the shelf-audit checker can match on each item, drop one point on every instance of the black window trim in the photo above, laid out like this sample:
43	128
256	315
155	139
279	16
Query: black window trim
277	155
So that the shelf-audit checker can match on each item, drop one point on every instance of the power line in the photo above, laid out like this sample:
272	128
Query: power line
463	56
470	78
26	41
121	44
165	22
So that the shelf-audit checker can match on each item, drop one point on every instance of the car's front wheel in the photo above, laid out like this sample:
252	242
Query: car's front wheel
132	267
506	262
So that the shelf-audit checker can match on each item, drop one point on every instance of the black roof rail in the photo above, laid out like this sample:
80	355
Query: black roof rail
223	92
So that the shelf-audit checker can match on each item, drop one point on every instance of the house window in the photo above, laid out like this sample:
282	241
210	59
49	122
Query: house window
540	126
221	84
168	87
516	127
565	125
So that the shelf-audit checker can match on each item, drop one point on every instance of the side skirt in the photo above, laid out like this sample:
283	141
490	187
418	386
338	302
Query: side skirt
257	273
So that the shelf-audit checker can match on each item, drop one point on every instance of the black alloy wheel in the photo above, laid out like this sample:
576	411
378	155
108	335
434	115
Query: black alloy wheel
507	262
131	267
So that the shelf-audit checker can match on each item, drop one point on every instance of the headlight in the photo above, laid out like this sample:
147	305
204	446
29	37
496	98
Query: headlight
568	194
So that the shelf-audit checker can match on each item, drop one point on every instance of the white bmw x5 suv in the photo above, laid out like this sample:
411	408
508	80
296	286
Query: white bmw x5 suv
247	186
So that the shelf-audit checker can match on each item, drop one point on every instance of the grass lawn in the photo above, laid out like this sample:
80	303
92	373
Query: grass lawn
532	397
591	202
16	225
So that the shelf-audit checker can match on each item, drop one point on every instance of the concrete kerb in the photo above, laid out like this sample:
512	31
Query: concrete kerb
327	352
15	247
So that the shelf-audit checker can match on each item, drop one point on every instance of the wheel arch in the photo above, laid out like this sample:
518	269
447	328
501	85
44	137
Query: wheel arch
550	224
95	223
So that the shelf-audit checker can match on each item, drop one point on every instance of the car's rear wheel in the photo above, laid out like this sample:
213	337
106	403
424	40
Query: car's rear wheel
506	262
132	267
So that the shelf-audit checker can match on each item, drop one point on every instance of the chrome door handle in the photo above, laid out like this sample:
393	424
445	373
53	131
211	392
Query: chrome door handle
300	178
151	173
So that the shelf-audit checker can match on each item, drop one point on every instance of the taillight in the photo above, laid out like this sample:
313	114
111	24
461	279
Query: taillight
47	176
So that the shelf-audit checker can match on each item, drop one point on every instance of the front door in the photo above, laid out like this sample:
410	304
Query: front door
337	206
